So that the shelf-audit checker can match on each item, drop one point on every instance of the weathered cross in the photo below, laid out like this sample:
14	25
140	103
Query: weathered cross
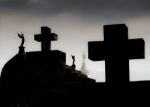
116	50
45	38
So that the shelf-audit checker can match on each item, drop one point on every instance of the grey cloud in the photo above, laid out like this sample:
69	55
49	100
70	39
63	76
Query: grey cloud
13	3
90	8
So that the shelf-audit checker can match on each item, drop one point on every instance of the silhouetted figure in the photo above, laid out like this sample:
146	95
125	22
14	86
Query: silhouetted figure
116	50
22	37
73	63
21	48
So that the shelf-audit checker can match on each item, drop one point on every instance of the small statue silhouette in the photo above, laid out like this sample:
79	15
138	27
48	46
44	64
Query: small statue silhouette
21	48
22	37
73	63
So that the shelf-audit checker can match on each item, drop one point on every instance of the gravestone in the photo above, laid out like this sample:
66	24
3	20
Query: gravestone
116	50
45	38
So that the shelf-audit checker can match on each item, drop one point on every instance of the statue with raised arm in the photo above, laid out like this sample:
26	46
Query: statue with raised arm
73	63
22	37
21	48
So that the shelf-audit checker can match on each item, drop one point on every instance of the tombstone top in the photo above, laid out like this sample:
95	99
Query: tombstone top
116	50
45	38
117	33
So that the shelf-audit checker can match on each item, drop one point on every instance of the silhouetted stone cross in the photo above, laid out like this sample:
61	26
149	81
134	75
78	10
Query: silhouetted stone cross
45	38
116	50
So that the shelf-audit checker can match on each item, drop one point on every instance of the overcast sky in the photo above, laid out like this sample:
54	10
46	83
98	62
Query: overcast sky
76	22
87	9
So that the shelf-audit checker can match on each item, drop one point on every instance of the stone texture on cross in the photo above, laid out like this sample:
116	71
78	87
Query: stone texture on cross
116	50
45	38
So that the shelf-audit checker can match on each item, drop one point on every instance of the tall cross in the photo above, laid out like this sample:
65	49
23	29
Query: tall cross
45	38
116	50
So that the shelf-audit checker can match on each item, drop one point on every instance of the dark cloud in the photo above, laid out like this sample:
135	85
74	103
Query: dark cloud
13	4
86	8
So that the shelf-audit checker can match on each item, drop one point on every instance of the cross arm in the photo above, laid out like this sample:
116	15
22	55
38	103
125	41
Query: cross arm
96	51
136	49
54	37
48	37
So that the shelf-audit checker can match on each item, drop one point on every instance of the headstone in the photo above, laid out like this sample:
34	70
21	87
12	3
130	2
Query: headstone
45	38
116	50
